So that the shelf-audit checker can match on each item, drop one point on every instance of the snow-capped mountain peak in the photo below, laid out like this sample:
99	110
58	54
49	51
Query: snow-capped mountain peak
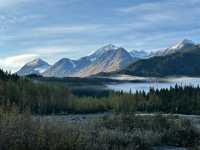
67	61
109	47
35	62
36	66
61	68
182	44
98	53
105	49
139	54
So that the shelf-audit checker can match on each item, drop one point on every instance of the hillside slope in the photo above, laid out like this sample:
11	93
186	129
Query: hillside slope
185	63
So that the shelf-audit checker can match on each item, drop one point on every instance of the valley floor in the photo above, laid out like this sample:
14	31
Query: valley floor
86	119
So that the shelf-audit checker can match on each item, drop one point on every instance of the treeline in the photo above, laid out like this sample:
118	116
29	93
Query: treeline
185	100
46	98
5	76
36	97
27	95
178	99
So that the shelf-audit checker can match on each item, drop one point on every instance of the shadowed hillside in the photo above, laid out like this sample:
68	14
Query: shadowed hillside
181	63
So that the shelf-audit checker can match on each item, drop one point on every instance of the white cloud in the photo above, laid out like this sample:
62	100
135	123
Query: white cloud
138	8
72	51
66	29
174	12
11	3
48	50
16	62
160	6
68	33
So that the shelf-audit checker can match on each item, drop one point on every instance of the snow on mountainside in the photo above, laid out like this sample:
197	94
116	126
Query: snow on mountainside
181	46
106	59
183	59
109	61
36	66
95	55
61	68
139	54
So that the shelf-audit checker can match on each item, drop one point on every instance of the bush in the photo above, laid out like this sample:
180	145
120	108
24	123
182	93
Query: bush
154	130
23	132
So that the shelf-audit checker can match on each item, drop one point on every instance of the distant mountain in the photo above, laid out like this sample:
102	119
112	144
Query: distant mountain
61	68
106	59
37	66
98	53
139	54
181	46
66	67
181	59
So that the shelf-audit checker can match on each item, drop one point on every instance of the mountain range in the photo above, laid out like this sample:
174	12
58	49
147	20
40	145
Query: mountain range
106	59
181	59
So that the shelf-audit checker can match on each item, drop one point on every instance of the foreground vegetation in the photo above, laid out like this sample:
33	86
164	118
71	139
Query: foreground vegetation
20	131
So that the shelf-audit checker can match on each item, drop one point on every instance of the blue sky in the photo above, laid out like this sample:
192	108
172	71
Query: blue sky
52	29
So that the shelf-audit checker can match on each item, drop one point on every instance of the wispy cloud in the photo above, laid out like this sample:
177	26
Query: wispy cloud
144	7
159	6
68	33
11	3
48	50
99	29
170	12
11	21
67	29
73	51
